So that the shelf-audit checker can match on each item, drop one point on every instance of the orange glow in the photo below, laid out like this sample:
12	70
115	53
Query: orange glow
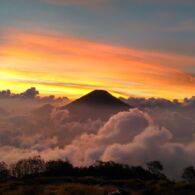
67	66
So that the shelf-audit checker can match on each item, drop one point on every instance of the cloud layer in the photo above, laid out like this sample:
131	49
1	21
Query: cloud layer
156	131
78	2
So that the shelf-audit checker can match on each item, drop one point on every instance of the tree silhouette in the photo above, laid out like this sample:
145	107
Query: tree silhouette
155	167
37	167
109	169
28	167
58	168
4	171
189	174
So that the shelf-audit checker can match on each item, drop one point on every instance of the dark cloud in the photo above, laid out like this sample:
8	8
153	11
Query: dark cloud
152	102
188	103
5	94
31	93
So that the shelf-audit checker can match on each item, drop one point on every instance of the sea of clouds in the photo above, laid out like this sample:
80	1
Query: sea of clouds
155	129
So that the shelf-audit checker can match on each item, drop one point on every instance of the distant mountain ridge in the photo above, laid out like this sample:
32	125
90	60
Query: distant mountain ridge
94	105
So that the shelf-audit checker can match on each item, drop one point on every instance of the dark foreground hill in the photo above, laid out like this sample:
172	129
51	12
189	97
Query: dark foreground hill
96	104
38	177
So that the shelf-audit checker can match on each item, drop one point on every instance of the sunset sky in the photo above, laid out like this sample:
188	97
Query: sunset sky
69	47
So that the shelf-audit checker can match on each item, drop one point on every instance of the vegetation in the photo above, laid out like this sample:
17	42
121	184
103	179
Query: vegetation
189	174
35	176
155	168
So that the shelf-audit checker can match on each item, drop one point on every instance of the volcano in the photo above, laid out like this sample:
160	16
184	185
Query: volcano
97	104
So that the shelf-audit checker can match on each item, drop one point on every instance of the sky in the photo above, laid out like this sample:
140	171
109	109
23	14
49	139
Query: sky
70	47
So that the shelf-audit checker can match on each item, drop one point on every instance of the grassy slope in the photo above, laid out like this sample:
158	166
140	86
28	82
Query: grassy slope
88	186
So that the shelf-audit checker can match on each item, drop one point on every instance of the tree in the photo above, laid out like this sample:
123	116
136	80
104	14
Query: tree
59	168
109	169
189	174
27	167
4	171
155	167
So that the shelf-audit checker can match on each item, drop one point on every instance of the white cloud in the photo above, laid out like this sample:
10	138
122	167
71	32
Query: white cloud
164	133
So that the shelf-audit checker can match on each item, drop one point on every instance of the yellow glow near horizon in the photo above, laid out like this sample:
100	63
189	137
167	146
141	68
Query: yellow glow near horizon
65	66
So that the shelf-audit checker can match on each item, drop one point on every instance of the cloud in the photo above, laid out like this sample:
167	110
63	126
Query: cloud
121	128
159	102
96	2
152	102
33	123
80	67
189	102
179	121
133	138
78	2
182	27
3	112
30	93
5	94
25	102
155	132
152	143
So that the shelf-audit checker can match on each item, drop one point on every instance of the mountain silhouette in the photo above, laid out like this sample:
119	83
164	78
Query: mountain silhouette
42	113
94	105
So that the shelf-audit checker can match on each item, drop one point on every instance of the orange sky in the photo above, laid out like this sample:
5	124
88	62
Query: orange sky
68	66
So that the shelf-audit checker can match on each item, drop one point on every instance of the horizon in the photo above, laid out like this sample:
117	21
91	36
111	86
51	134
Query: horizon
115	94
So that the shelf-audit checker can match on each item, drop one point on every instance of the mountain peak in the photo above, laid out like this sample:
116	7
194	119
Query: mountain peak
99	91
96	104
